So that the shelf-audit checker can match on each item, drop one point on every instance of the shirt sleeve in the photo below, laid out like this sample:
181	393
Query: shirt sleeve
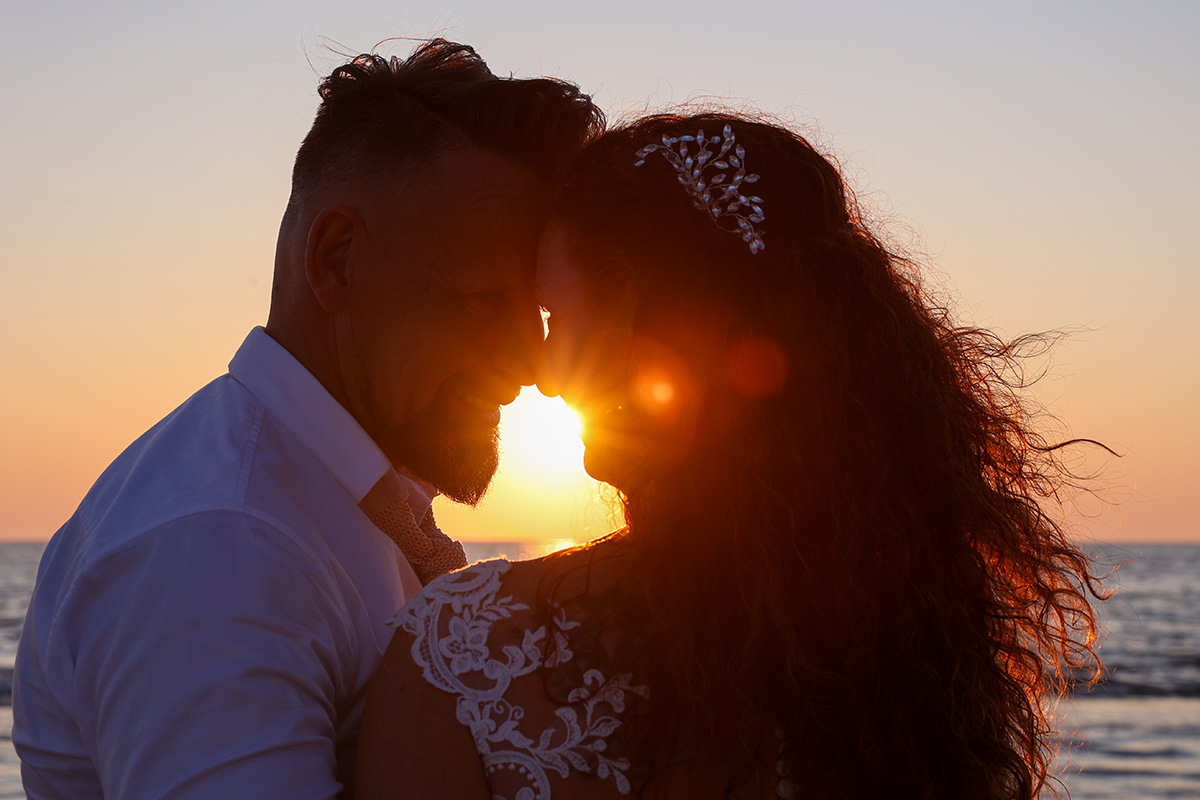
210	659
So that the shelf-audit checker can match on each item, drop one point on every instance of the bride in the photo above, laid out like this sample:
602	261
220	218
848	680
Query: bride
841	575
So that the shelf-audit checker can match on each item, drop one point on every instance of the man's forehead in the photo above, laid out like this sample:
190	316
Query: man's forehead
557	279
478	180
470	220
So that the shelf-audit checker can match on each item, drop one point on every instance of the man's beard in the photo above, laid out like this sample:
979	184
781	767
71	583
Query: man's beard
459	462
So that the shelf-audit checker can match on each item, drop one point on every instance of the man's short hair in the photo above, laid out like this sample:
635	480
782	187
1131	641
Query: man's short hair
379	117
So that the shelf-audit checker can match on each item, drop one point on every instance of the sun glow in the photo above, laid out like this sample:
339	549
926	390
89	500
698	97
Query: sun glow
541	498
662	392
540	436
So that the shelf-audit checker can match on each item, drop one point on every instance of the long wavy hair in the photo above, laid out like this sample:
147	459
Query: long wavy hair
858	560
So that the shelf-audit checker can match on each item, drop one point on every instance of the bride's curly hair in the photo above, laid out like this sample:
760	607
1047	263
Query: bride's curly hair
866	560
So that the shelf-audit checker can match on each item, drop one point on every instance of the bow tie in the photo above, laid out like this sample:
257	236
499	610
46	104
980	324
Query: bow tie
430	552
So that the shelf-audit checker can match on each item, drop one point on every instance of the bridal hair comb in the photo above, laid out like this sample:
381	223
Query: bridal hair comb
717	194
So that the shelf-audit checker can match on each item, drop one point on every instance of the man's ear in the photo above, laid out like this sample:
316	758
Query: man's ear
336	232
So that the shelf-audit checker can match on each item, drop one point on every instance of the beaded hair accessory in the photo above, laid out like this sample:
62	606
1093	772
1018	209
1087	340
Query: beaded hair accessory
713	194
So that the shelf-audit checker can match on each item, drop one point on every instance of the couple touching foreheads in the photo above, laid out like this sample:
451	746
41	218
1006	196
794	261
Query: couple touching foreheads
836	576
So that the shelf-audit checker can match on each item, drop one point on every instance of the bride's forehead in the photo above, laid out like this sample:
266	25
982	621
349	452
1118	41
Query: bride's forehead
563	291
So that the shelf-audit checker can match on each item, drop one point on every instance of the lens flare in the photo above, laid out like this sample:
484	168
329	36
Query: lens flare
661	392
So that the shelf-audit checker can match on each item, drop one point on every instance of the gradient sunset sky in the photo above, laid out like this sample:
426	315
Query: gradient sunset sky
1043	155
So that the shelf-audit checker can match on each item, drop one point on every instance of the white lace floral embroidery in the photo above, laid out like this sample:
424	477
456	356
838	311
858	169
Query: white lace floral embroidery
455	657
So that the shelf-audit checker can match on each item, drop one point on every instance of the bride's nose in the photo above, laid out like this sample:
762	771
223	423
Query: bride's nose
589	369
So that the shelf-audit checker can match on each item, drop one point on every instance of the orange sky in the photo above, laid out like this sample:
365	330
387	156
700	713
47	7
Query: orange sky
1049	169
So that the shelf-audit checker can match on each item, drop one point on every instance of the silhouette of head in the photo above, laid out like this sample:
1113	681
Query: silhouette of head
405	261
719	297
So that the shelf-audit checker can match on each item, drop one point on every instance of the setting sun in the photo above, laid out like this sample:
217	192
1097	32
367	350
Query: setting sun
541	495
540	435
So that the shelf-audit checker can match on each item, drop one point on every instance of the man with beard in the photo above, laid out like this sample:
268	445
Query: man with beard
206	623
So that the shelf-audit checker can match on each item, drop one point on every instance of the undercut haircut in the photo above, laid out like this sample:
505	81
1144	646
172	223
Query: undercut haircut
385	118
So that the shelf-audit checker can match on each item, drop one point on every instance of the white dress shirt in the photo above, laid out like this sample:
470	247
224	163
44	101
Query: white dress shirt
205	625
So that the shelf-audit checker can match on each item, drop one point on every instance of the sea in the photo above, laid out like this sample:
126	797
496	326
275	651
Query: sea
1136	736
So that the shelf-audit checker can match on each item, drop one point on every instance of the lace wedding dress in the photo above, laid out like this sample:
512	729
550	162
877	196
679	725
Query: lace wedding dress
460	624
450	622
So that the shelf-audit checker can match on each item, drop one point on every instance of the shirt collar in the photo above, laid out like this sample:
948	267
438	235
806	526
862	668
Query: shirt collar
302	404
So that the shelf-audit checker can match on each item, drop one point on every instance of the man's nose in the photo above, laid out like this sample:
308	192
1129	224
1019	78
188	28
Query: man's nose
519	348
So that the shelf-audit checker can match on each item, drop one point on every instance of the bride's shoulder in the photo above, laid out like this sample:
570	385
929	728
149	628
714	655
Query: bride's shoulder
469	587
569	576
586	570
